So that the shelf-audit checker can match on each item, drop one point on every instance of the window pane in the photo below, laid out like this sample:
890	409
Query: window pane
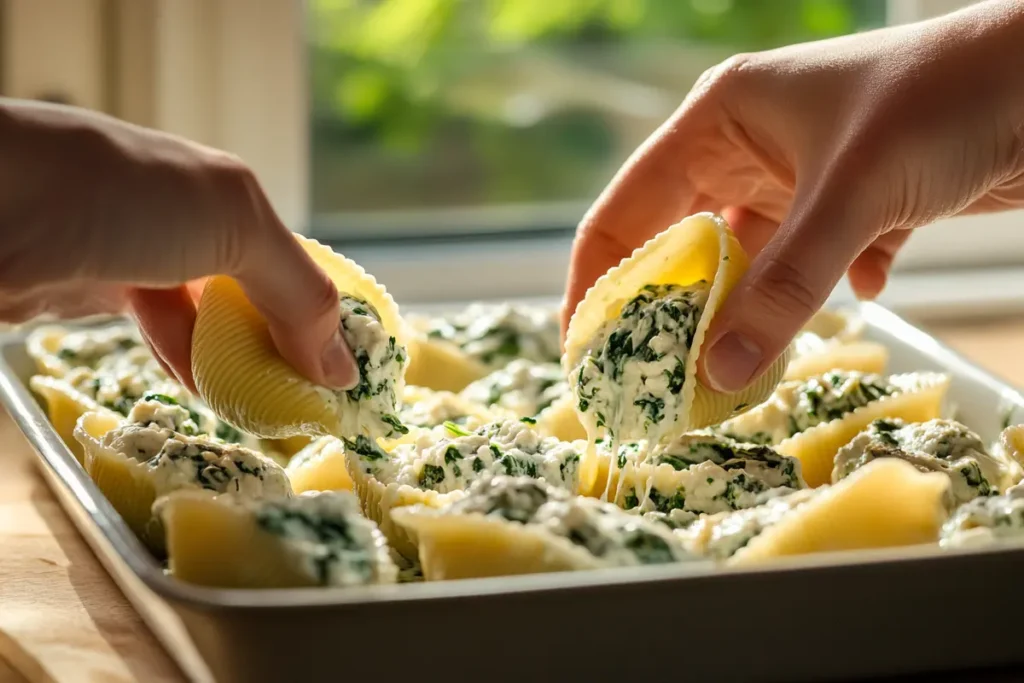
447	116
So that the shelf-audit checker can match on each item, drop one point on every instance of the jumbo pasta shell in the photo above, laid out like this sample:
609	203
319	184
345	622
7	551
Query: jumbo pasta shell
64	406
441	365
561	420
42	344
920	399
243	378
125	482
456	408
466	546
886	503
701	247
216	541
1011	447
379	500
860	356
320	466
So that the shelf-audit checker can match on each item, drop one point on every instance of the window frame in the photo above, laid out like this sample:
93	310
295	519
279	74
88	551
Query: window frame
223	73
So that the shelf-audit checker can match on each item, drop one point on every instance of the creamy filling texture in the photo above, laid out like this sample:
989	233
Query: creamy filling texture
720	536
986	520
630	380
156	434
435	409
795	407
606	532
496	335
371	407
523	387
453	461
86	348
324	533
710	475
118	381
934	446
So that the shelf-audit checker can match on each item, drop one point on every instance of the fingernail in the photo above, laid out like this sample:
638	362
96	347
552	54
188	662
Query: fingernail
731	362
339	365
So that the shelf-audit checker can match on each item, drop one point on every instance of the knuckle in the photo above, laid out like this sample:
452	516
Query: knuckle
784	291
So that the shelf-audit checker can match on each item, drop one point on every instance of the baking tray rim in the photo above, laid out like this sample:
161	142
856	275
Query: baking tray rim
31	419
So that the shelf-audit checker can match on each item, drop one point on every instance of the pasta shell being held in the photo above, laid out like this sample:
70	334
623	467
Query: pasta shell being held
632	344
246	382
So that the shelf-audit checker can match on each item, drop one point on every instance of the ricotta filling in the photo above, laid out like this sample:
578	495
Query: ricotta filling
458	457
496	335
156	435
796	407
85	348
710	475
630	380
609	534
371	407
986	520
523	387
327	538
934	446
721	535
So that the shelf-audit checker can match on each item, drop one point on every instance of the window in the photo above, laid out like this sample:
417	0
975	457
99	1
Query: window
449	145
441	118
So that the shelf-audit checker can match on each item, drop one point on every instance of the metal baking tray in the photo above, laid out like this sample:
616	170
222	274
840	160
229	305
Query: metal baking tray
836	616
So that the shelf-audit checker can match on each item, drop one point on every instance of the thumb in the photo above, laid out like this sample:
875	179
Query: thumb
786	284
301	306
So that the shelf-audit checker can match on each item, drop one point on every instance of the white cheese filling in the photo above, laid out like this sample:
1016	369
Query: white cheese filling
795	407
451	458
986	520
630	380
934	446
523	387
606	532
371	407
496	335
710	475
326	537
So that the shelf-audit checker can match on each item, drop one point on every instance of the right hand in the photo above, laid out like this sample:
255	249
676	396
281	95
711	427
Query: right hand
822	157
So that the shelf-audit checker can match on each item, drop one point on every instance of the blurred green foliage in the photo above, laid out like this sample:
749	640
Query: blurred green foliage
422	103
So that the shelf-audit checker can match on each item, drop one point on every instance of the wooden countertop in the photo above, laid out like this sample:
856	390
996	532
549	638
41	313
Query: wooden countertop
63	620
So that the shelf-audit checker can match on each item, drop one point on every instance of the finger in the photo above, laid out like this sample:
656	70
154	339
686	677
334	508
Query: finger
786	284
648	194
302	309
870	271
164	365
62	300
752	229
166	318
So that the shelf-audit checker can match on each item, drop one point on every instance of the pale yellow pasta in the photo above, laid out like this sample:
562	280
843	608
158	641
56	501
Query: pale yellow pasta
380	500
886	503
42	345
701	247
243	378
320	466
561	420
477	546
64	406
228	542
920	399
441	365
124	481
860	356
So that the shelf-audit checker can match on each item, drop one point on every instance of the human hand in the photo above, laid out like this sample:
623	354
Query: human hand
100	216
822	157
